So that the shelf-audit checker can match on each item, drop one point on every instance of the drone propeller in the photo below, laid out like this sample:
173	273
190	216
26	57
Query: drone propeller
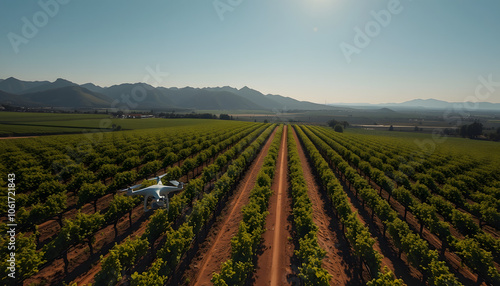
158	178
175	183
130	188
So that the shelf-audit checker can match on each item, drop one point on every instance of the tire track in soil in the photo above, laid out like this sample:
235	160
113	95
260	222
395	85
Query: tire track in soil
274	264
339	261
216	248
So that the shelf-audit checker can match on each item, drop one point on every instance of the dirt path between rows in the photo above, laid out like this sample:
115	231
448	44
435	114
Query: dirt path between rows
217	246
274	265
339	261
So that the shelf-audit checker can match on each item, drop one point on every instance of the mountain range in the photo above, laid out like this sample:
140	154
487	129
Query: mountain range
66	94
140	96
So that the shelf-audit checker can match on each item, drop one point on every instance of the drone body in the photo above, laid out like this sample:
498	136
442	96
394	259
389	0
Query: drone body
158	192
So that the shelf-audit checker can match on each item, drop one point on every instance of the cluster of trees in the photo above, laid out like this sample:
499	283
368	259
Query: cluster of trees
472	130
309	253
195	115
244	244
495	136
338	126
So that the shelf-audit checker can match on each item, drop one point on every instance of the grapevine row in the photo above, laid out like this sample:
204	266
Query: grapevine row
180	240
244	244
309	253
356	232
427	216
417	249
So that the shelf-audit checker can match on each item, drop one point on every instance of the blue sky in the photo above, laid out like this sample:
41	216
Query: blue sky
428	49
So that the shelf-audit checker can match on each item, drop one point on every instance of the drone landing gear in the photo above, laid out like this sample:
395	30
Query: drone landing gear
162	203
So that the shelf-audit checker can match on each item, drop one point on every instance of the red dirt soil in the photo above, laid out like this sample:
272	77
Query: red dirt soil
217	245
82	266
338	261
274	265
79	257
465	275
88	277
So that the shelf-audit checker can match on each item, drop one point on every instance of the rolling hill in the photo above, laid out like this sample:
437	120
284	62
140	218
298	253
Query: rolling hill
15	86
195	98
69	96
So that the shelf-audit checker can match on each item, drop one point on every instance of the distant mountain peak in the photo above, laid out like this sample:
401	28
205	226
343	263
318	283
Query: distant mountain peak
61	80
418	100
385	109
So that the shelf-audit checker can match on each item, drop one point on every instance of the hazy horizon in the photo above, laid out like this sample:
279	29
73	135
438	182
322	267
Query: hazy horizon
318	50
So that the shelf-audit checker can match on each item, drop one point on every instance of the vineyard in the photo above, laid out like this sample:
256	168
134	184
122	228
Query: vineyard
262	204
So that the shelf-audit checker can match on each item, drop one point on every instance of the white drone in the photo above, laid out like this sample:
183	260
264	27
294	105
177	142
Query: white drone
158	192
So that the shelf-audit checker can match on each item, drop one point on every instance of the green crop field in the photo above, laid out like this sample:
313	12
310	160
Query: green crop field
15	117
20	123
447	145
400	206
